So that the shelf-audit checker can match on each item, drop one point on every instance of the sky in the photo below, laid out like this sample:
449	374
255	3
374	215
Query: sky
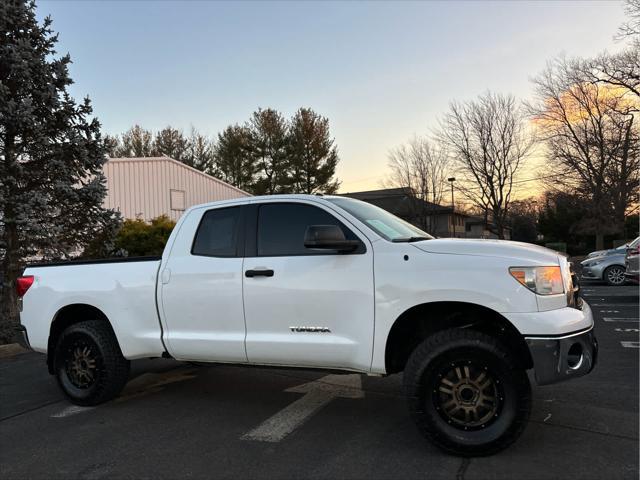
381	72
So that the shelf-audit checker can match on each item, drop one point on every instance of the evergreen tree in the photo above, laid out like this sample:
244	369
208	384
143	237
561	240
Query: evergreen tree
268	144
51	154
200	151
136	142
111	144
170	142
311	154
234	160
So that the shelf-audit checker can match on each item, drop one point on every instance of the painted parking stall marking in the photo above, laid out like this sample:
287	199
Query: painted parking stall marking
613	305
619	309
317	394
72	410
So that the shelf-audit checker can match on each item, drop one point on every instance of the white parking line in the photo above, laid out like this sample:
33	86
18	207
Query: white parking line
317	395
630	344
635	305
72	410
626	330
621	319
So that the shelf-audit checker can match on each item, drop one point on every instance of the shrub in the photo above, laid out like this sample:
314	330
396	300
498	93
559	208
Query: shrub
138	238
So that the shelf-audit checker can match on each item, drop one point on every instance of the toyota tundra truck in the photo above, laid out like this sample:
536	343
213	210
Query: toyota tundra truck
324	282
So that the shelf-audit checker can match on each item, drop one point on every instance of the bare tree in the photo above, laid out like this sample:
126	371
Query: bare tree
422	166
490	142
631	28
622	69
591	133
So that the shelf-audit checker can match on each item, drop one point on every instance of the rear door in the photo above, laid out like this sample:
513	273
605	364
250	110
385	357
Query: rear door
306	307
201	287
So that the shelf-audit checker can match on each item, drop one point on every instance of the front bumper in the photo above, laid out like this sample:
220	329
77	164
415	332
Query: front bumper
592	273
563	357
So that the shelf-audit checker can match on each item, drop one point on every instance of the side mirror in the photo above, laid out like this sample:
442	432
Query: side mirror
328	237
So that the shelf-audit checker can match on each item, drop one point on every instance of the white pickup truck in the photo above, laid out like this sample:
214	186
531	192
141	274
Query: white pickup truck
324	282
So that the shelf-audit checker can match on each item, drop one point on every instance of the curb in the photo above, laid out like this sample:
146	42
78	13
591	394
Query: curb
11	350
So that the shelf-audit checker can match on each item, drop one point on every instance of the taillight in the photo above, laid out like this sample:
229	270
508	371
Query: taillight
634	251
23	284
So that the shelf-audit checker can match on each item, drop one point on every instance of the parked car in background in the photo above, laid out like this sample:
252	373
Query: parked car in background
611	251
608	268
631	261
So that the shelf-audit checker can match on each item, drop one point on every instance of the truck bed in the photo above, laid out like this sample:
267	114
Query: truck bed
123	289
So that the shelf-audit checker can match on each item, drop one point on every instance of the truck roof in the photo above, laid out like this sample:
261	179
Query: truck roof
293	196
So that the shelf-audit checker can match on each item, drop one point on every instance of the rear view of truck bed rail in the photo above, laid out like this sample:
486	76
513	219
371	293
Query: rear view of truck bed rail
96	261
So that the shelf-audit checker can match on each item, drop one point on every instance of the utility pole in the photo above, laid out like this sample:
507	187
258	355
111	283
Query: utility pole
453	217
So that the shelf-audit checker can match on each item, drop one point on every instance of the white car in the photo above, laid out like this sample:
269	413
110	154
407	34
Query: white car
325	282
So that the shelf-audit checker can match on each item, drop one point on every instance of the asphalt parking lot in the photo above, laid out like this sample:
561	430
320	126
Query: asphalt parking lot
186	421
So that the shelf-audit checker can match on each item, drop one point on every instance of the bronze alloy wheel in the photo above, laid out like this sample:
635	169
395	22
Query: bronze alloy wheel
81	363
89	364
466	392
468	397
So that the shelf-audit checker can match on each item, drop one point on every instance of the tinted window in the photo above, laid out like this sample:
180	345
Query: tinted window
217	235
281	228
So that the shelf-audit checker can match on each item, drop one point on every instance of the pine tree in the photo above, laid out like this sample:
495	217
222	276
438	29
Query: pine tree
170	142
268	144
136	142
311	154
51	154
112	145
200	151
234	160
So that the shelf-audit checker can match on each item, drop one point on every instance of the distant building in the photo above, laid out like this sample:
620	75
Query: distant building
436	219
148	187
476	227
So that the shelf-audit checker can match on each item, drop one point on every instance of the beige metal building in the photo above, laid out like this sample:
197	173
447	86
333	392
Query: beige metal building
148	187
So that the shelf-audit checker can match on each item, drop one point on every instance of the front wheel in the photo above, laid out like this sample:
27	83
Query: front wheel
466	393
88	363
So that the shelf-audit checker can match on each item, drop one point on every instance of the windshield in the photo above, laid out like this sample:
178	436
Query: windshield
385	224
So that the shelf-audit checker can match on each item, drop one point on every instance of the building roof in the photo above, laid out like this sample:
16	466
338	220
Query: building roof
399	201
176	162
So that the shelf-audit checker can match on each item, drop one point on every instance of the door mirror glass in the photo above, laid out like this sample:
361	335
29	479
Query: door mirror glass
328	237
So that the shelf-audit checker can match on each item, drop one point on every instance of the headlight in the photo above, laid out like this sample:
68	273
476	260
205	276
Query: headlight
541	280
593	264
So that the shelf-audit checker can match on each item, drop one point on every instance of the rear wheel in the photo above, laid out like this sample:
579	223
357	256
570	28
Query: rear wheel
466	393
614	275
88	363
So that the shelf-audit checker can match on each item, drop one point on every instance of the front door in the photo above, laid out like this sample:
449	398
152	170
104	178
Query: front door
306	307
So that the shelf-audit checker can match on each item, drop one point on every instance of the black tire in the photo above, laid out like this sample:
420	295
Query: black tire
104	372
454	354
614	275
